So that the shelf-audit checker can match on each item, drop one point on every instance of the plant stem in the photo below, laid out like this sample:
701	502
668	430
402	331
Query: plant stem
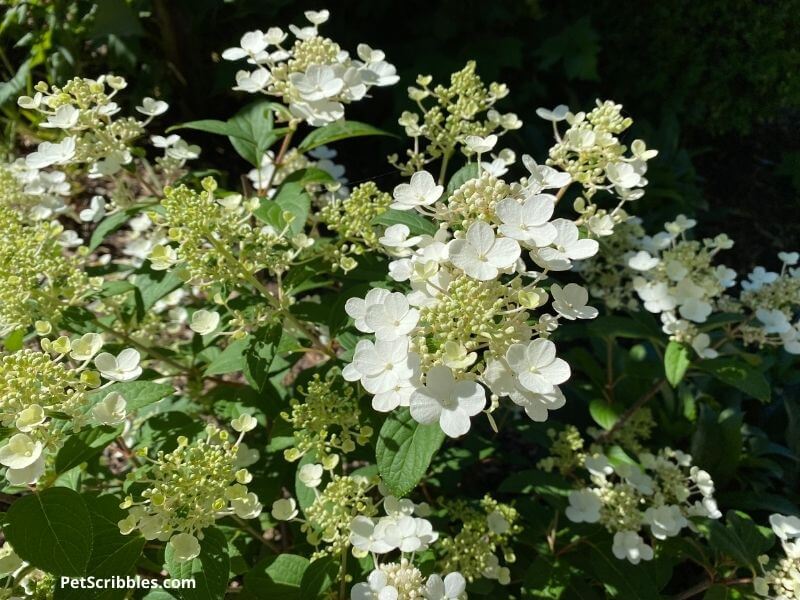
343	572
255	535
632	411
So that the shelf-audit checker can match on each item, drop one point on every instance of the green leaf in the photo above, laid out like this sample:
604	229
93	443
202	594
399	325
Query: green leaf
404	451
84	446
256	122
339	130
110	224
276	577
14	340
154	285
603	413
739	374
676	362
112	553
717	443
309	176
416	223
624	327
11	89
137	394
318	578
620	578
259	356
51	530
229	360
291	198
740	538
226	128
209	570
460	177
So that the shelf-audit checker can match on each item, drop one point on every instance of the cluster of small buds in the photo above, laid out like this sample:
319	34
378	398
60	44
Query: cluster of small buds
83	109
780	579
328	519
401	580
314	76
465	323
591	152
38	277
216	239
38	392
352	219
485	532
191	487
448	116
660	492
22	579
327	422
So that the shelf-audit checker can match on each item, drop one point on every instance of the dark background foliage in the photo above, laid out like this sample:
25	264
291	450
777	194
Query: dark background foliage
713	85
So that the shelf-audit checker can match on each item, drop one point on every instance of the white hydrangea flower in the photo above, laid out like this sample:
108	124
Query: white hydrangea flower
392	318
252	82
559	113
665	521
785	527
528	222
244	423
584	506
311	475
185	547
65	117
481	255
356	308
452	587
110	410
86	346
449	402
543	177
420	191
123	367
152	107
251	44
204	321
381	365
631	546
284	509
643	261
480	145
95	212
536	366
566	247
570	302
48	154
773	320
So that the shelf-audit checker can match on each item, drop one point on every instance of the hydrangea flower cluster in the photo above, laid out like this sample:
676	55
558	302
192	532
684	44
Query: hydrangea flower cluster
38	279
43	399
679	279
313	75
190	488
781	579
473	551
402	580
448	115
83	109
659	491
215	239
465	322
327	422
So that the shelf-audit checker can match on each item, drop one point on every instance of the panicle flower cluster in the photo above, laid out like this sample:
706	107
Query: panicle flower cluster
659	491
466	321
473	552
215	239
679	279
352	219
38	279
327	422
313	75
780	579
44	399
401	580
190	488
449	115
35	194
83	109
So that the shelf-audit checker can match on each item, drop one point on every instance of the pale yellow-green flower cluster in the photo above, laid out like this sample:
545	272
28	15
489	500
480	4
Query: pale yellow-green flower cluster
327	422
473	551
476	200
329	517
447	115
352	219
189	488
38	280
215	239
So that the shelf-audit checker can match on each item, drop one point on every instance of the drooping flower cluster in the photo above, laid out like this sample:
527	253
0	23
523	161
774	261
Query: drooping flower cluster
659	492
473	551
326	422
189	488
780	580
448	115
313	75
